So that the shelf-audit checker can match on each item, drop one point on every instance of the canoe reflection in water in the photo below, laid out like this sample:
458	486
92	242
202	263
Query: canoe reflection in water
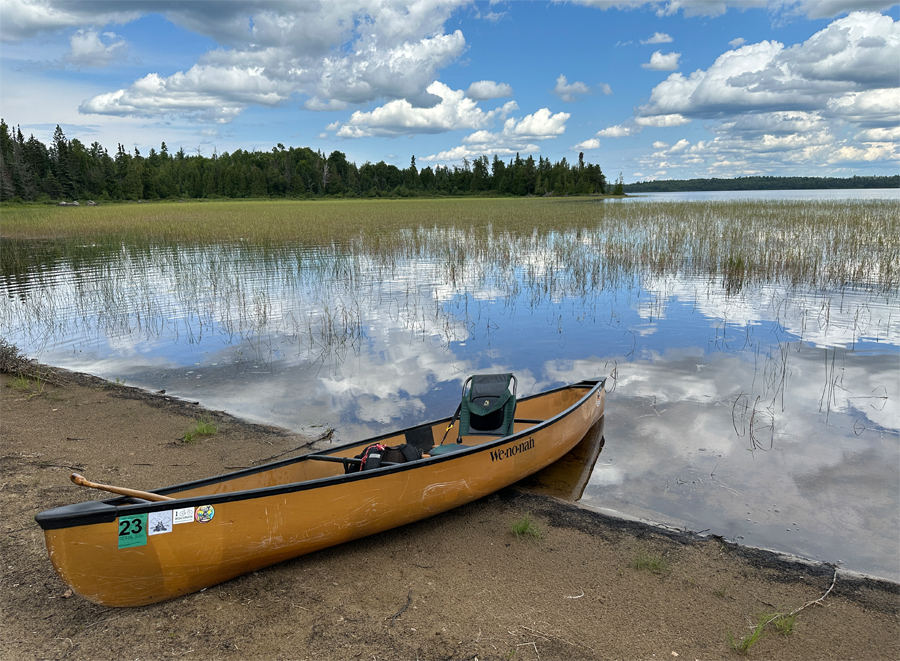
567	478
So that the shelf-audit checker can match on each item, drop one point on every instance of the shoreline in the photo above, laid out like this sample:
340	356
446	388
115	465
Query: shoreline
319	436
471	587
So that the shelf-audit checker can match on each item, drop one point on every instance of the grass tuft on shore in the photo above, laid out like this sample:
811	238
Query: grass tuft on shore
655	564
23	369
201	427
525	527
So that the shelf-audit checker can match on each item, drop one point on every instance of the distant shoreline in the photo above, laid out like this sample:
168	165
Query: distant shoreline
762	183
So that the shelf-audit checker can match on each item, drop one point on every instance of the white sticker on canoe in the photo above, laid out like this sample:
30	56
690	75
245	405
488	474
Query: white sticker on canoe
183	515
159	522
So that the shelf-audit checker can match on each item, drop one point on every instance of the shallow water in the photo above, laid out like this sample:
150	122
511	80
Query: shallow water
767	413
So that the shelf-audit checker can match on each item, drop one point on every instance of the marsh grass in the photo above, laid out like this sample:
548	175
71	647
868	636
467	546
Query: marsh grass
23	369
201	427
655	564
527	528
20	383
738	243
743	644
312	270
782	622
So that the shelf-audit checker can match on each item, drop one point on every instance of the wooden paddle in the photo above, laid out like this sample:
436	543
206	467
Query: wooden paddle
146	495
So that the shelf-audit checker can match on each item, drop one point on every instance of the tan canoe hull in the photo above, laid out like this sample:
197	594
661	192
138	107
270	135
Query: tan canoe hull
260	526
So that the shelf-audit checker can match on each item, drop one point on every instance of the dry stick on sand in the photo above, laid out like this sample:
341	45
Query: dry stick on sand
820	599
559	638
808	603
400	612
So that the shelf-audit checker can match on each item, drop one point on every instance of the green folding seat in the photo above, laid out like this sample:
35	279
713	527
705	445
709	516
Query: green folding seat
487	408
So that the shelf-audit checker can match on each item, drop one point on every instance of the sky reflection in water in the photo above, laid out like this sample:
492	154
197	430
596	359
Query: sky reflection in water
766	416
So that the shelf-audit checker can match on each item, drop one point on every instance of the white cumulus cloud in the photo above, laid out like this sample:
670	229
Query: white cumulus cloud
658	38
808	8
661	121
484	90
569	92
455	111
335	53
24	19
852	54
591	143
91	49
517	135
618	131
538	126
213	94
662	62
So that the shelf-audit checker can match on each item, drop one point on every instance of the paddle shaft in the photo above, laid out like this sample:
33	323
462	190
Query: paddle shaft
122	491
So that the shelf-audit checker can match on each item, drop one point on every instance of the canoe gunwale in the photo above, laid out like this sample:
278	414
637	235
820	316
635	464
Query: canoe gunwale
105	511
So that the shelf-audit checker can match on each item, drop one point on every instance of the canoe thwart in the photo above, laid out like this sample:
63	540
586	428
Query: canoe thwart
347	461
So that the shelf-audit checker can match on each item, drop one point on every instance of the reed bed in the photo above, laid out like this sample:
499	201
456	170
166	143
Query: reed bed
818	244
314	270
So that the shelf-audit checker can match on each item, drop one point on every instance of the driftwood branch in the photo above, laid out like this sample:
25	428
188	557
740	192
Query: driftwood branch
808	603
820	599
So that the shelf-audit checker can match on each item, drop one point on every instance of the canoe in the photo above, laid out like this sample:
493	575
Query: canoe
130	551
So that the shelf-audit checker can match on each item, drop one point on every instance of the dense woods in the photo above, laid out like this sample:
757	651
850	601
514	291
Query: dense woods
69	170
762	183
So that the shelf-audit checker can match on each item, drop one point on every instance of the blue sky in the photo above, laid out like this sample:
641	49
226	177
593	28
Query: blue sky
656	89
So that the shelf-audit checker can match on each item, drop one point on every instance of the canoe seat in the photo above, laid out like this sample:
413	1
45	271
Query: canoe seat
488	407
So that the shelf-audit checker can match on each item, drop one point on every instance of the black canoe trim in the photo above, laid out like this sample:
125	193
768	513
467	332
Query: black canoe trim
106	511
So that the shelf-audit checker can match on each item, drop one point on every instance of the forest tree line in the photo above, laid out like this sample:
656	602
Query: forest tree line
763	183
70	170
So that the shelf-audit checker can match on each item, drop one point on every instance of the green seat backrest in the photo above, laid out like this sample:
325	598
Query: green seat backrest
488	406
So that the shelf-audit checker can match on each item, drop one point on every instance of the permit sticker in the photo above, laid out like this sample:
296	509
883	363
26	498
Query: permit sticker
183	515
204	514
159	523
132	531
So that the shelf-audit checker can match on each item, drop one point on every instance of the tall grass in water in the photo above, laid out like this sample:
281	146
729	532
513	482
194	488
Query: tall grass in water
310	269
809	243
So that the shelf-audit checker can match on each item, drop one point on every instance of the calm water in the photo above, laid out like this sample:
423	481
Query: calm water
768	415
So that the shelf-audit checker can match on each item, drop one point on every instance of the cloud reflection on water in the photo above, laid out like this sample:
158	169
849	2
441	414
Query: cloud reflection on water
769	415
672	454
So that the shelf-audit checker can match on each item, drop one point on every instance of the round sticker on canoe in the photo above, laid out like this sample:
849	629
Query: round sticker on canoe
204	514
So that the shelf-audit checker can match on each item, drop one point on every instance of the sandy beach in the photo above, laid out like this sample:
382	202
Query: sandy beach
460	585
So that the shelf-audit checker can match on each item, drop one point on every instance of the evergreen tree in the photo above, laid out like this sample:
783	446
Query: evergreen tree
133	182
68	169
8	188
62	165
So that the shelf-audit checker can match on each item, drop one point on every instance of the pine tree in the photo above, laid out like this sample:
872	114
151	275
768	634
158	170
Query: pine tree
7	163
62	165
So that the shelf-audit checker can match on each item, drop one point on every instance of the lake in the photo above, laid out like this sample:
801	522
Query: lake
752	345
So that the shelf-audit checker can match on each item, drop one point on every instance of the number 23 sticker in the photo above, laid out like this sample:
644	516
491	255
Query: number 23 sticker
132	531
